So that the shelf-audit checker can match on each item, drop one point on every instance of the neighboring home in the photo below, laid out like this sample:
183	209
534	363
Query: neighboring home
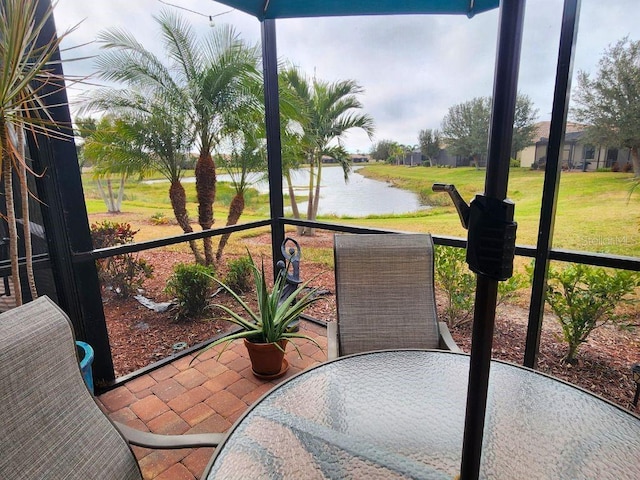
576	153
354	158
411	159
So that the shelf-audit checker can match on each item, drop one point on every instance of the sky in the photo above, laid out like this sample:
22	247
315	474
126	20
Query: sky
412	68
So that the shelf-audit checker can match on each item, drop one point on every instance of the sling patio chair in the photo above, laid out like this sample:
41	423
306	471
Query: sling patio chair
50	425
385	295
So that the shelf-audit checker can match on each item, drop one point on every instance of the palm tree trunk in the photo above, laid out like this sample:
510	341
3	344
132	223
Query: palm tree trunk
118	203
178	199
26	229
11	212
294	202
305	230
635	161
235	211
206	194
111	207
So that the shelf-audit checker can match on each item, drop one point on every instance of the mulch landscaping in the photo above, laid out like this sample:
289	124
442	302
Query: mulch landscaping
139	336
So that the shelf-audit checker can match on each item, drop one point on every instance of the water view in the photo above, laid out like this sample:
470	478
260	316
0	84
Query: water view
358	197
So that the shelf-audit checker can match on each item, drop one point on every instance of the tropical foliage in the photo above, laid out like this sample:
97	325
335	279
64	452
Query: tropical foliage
272	320
29	71
329	111
201	82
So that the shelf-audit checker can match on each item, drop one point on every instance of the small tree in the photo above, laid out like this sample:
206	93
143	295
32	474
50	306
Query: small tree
430	143
191	284
585	298
465	128
382	150
610	102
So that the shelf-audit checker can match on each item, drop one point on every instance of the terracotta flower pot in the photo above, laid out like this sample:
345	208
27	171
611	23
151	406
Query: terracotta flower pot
266	358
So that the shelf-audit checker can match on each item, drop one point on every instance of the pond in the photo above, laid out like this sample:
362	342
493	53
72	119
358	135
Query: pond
358	197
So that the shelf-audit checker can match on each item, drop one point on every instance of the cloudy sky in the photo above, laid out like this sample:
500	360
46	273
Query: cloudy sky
413	68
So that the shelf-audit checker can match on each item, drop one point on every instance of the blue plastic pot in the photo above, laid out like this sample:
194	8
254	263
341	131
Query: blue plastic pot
85	352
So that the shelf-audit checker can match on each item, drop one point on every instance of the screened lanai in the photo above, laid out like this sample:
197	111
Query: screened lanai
70	259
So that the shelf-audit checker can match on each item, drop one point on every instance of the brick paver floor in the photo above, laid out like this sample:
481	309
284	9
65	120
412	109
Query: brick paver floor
205	396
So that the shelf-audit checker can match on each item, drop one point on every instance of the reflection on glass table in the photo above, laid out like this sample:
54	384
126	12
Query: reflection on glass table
400	414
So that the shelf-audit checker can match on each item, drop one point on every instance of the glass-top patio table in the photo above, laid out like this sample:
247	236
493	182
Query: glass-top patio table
400	414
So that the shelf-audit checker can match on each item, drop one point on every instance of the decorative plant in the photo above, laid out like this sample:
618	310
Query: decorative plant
271	321
191	284
453	276
239	274
585	298
126	273
28	74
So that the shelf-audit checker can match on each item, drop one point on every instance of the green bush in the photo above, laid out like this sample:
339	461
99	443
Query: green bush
452	275
123	274
585	298
191	285
458	283
239	277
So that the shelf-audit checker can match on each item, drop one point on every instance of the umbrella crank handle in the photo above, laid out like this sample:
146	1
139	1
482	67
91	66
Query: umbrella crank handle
461	206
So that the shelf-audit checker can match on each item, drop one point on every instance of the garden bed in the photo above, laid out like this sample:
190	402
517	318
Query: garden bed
140	336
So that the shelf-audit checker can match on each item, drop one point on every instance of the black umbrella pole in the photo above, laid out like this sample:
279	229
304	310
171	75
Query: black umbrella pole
481	344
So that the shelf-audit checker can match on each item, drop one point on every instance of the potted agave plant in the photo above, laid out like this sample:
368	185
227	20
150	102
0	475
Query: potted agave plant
267	329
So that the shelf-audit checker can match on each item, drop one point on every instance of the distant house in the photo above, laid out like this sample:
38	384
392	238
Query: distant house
411	159
355	158
577	154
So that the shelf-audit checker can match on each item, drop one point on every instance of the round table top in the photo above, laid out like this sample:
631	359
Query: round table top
400	414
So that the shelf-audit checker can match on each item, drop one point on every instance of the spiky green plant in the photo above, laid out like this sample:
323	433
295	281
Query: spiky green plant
271	321
28	74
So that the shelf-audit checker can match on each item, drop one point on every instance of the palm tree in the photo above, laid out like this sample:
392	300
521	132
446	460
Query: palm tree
247	156
150	134
26	77
329	110
207	76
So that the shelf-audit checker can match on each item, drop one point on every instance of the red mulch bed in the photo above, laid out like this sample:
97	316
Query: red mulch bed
140	336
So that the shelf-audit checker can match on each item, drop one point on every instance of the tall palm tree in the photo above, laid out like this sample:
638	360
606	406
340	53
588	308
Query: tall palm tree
247	156
150	134
26	77
207	76
330	109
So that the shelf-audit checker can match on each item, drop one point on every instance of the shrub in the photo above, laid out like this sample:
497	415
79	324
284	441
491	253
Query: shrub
627	168
159	218
453	276
514	163
458	283
615	167
123	274
239	277
585	298
191	285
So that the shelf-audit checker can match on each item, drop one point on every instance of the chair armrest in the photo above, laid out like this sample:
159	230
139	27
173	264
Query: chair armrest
446	340
332	340
153	440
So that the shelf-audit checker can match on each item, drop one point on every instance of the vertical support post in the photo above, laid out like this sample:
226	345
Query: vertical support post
66	222
568	34
496	181
274	151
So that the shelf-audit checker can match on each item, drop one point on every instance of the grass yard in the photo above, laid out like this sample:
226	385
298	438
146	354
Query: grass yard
594	210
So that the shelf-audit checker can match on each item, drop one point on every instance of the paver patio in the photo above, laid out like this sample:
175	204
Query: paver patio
205	396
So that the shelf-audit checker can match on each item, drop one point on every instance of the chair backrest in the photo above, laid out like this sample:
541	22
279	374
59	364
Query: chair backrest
50	426
385	292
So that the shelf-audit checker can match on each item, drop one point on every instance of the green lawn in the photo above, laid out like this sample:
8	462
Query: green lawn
594	212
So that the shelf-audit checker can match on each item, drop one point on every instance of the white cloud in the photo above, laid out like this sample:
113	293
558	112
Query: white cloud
413	68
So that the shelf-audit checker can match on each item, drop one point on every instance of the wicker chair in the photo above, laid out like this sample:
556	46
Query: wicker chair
385	295
50	425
